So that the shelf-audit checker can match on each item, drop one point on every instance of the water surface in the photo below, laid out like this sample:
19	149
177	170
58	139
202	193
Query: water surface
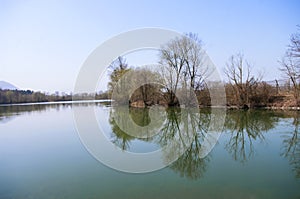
41	156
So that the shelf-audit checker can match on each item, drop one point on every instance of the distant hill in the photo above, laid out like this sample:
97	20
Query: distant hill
7	86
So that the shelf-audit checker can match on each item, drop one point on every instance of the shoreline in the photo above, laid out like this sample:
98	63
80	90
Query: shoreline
57	102
292	108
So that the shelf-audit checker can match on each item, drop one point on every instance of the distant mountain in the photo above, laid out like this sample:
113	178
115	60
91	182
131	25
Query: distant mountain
7	86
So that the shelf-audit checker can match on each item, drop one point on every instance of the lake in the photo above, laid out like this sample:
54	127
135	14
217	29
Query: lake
42	155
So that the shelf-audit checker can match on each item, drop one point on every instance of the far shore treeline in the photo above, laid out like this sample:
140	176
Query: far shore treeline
28	96
184	65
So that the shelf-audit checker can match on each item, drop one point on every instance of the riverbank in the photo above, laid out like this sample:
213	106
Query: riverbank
59	102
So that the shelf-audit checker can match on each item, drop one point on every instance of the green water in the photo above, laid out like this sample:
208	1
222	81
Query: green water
42	156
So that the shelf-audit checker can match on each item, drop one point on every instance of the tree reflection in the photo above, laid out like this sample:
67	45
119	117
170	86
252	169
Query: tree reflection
191	165
171	127
291	145
121	116
140	116
245	127
119	137
182	132
8	113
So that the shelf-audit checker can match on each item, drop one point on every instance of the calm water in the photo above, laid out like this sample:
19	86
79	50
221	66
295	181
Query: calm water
41	156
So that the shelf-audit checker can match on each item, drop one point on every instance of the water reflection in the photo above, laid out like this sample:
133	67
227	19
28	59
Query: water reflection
8	113
174	132
189	164
291	144
119	137
246	127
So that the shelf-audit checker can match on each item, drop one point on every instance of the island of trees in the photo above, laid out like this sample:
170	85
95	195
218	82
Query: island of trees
183	62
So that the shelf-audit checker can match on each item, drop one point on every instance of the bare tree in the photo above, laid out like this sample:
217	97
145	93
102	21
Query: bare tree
238	71
182	59
194	56
290	64
170	56
294	47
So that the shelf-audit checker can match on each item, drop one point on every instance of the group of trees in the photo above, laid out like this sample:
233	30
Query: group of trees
133	84
241	81
184	66
244	89
21	96
181	73
28	96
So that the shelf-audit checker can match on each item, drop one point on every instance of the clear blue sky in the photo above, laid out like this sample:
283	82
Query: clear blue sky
44	43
